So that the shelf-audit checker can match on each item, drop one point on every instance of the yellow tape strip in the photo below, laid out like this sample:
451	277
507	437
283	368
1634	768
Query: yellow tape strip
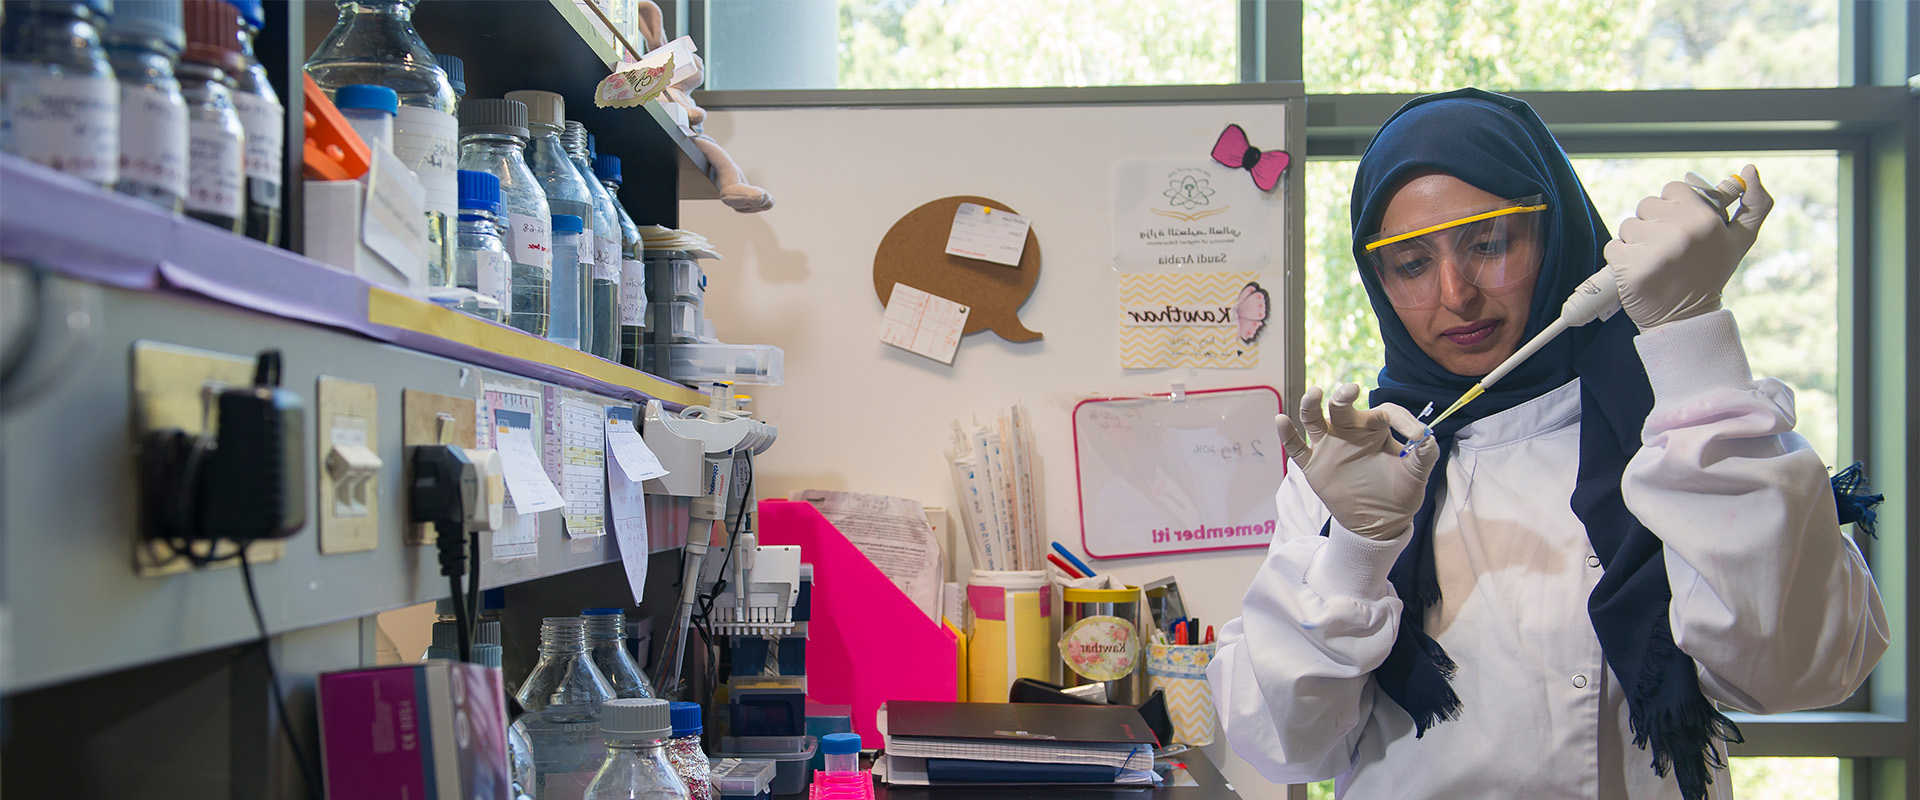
406	313
1498	212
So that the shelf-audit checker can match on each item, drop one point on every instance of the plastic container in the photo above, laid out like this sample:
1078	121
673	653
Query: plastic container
1099	641
685	754
792	757
739	363
677	322
679	279
1008	639
369	109
743	778
566	298
842	751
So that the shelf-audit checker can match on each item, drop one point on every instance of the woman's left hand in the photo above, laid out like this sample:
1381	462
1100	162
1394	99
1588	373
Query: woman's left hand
1673	258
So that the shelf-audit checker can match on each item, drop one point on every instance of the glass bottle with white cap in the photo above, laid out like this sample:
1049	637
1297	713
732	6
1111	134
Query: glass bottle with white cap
636	733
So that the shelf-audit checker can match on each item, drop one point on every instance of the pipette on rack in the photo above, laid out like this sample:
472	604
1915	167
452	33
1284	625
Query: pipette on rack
1597	298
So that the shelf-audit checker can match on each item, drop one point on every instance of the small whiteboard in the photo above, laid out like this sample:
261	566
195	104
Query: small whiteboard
1161	475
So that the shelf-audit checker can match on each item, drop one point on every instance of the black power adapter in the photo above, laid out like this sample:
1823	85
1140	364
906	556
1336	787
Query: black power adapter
242	481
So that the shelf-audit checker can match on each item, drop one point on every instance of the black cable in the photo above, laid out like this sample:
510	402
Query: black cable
473	581
273	678
450	540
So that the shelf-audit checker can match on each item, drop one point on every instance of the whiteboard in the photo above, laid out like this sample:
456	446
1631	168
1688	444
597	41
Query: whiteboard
1177	473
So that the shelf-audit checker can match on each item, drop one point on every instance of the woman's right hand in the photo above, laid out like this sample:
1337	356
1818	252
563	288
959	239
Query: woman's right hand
1353	462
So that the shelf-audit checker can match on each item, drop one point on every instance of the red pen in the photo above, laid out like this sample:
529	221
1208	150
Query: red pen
1179	633
1065	567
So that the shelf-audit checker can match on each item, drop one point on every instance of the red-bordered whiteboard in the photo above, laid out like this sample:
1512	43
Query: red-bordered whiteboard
1163	474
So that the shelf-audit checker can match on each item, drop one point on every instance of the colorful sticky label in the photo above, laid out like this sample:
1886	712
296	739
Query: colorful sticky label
1101	648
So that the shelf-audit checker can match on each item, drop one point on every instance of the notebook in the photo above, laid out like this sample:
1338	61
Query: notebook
1071	738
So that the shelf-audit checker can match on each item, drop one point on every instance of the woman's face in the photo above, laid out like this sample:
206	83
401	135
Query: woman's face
1470	330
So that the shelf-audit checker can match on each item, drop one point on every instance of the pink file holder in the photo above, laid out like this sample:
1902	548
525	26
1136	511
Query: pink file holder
867	642
842	786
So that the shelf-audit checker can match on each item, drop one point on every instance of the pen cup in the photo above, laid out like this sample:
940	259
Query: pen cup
1100	641
1180	671
1011	613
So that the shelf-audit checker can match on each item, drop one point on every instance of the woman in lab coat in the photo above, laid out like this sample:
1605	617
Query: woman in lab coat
1547	597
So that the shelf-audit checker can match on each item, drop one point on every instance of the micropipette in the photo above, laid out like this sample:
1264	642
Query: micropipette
1597	298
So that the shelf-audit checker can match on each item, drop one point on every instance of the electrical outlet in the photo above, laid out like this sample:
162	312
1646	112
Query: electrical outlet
346	416
170	386
421	423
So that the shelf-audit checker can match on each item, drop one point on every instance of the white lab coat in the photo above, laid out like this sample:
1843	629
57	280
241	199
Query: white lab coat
1769	597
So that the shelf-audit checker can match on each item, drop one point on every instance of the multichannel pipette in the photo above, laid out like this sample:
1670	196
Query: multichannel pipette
1597	298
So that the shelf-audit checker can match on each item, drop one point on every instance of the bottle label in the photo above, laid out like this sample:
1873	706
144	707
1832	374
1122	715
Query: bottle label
216	169
153	140
588	252
265	121
633	291
490	275
606	260
428	141
69	123
530	240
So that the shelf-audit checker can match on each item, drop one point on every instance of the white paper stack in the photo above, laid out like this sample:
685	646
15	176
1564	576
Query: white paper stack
660	237
993	468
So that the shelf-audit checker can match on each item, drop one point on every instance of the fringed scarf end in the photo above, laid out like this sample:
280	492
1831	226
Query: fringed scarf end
1855	499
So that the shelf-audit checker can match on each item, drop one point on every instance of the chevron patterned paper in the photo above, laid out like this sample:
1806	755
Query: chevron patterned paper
1181	672
1209	342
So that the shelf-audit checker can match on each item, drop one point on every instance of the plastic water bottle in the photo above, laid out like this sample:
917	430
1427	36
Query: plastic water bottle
373	41
144	41
564	698
636	768
601	331
684	753
492	134
842	751
266	122
569	292
607	639
369	109
59	102
481	263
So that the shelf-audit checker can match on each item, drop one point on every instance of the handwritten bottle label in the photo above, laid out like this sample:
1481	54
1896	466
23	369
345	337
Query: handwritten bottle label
530	240
490	275
606	259
633	292
69	123
266	139
153	141
216	169
427	141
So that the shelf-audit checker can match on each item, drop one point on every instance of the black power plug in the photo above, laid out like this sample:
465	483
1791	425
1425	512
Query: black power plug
253	485
445	484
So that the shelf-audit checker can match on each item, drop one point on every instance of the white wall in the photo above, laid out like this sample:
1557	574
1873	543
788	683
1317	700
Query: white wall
859	415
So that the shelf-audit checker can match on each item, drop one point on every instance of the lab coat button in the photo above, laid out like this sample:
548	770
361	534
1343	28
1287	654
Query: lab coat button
1579	681
1593	561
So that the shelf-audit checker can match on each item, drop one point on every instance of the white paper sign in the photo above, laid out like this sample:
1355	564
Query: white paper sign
1158	476
527	482
632	452
1171	215
923	324
627	503
988	234
394	226
583	468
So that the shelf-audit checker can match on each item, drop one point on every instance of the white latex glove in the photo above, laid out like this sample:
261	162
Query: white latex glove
1675	255
1354	463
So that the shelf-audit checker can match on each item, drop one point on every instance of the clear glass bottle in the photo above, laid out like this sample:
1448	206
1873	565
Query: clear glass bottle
216	139
567	194
266	122
685	754
481	263
569	282
369	110
373	41
633	271
601	331
607	637
144	41
59	102
492	134
563	697
456	70
520	763
636	767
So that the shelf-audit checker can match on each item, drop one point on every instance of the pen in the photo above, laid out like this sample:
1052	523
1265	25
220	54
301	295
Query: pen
1180	633
1074	560
1193	630
1064	566
1209	635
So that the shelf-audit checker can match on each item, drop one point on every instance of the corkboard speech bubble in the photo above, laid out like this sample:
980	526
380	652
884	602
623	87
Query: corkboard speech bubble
914	253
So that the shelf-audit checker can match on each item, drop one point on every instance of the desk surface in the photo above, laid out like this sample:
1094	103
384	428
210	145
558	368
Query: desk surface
1212	786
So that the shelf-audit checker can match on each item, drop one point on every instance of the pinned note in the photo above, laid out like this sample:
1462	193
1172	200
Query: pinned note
635	457
626	503
988	234
527	482
922	323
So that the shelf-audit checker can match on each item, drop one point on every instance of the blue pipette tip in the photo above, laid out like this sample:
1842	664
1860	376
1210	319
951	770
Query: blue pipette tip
1415	442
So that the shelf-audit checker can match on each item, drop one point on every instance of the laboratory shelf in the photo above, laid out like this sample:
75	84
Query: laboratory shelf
95	275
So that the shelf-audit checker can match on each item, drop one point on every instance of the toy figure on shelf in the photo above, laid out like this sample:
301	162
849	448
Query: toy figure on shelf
734	189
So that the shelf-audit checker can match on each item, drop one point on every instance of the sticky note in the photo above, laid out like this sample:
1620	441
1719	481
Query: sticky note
527	482
635	458
988	234
922	323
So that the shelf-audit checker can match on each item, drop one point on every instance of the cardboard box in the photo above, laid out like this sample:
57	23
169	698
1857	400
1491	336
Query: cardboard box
436	729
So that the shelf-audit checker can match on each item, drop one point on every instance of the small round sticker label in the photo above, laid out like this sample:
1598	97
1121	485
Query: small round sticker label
1100	648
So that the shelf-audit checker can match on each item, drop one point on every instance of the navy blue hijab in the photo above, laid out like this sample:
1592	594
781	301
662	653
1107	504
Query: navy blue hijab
1498	145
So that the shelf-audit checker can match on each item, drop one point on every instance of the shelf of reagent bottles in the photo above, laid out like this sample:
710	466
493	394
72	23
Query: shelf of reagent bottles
552	45
59	224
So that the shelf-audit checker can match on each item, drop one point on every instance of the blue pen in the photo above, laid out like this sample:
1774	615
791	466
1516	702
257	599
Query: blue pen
1074	560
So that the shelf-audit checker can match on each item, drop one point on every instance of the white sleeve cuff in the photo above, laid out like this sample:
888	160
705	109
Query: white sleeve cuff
1351	565
1694	356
